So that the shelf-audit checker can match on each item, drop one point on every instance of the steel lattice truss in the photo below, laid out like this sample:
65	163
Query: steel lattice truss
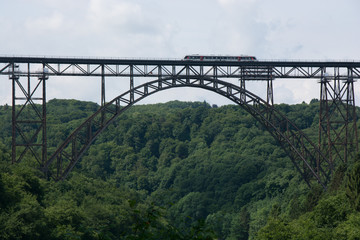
337	101
303	152
176	68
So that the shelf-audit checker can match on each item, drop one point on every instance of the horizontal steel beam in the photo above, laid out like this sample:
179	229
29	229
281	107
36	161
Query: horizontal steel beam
170	62
249	70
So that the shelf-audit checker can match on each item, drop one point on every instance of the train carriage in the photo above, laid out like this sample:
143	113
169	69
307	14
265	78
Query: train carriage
219	58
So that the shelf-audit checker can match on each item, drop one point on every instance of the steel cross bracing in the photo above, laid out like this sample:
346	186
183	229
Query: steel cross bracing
31	117
337	119
337	101
177	68
303	152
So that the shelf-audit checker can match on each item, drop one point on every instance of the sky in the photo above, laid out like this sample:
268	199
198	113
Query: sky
171	29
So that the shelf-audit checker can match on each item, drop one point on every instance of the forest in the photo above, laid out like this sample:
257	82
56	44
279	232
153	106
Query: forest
176	170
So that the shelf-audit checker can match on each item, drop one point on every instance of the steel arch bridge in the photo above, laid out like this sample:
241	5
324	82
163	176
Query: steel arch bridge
337	138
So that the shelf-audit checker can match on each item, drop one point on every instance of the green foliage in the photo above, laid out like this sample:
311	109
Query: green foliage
330	211
338	177
175	171
353	186
313	197
349	229
275	230
240	225
21	213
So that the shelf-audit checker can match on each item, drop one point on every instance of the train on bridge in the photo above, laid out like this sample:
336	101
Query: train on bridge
196	57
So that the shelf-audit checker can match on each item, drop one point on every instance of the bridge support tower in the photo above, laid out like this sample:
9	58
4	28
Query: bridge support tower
338	137
28	115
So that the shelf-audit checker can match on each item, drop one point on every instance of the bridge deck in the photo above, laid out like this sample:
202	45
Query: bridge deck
170	62
263	70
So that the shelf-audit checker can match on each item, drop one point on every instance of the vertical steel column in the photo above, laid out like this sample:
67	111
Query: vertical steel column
242	85
324	141
13	78
270	90
215	77
351	131
337	117
187	74
28	76
43	78
159	76
102	85
102	94
131	83
201	75
173	75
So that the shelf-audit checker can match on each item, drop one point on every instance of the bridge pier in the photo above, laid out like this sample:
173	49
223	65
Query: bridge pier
131	83
337	116
103	101
270	89
242	94
28	111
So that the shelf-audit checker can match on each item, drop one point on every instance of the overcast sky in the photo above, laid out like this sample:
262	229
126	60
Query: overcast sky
276	29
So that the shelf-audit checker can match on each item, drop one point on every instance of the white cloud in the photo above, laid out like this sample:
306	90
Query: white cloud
287	90
45	24
229	3
278	29
109	13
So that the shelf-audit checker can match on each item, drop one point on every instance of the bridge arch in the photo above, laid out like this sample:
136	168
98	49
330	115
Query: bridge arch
304	154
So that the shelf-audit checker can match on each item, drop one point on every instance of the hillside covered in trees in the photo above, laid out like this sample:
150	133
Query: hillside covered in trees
179	170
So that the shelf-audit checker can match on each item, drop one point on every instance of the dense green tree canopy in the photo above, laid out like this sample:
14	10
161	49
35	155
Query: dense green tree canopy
179	170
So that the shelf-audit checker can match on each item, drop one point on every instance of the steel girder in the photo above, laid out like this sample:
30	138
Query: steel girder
301	150
256	70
